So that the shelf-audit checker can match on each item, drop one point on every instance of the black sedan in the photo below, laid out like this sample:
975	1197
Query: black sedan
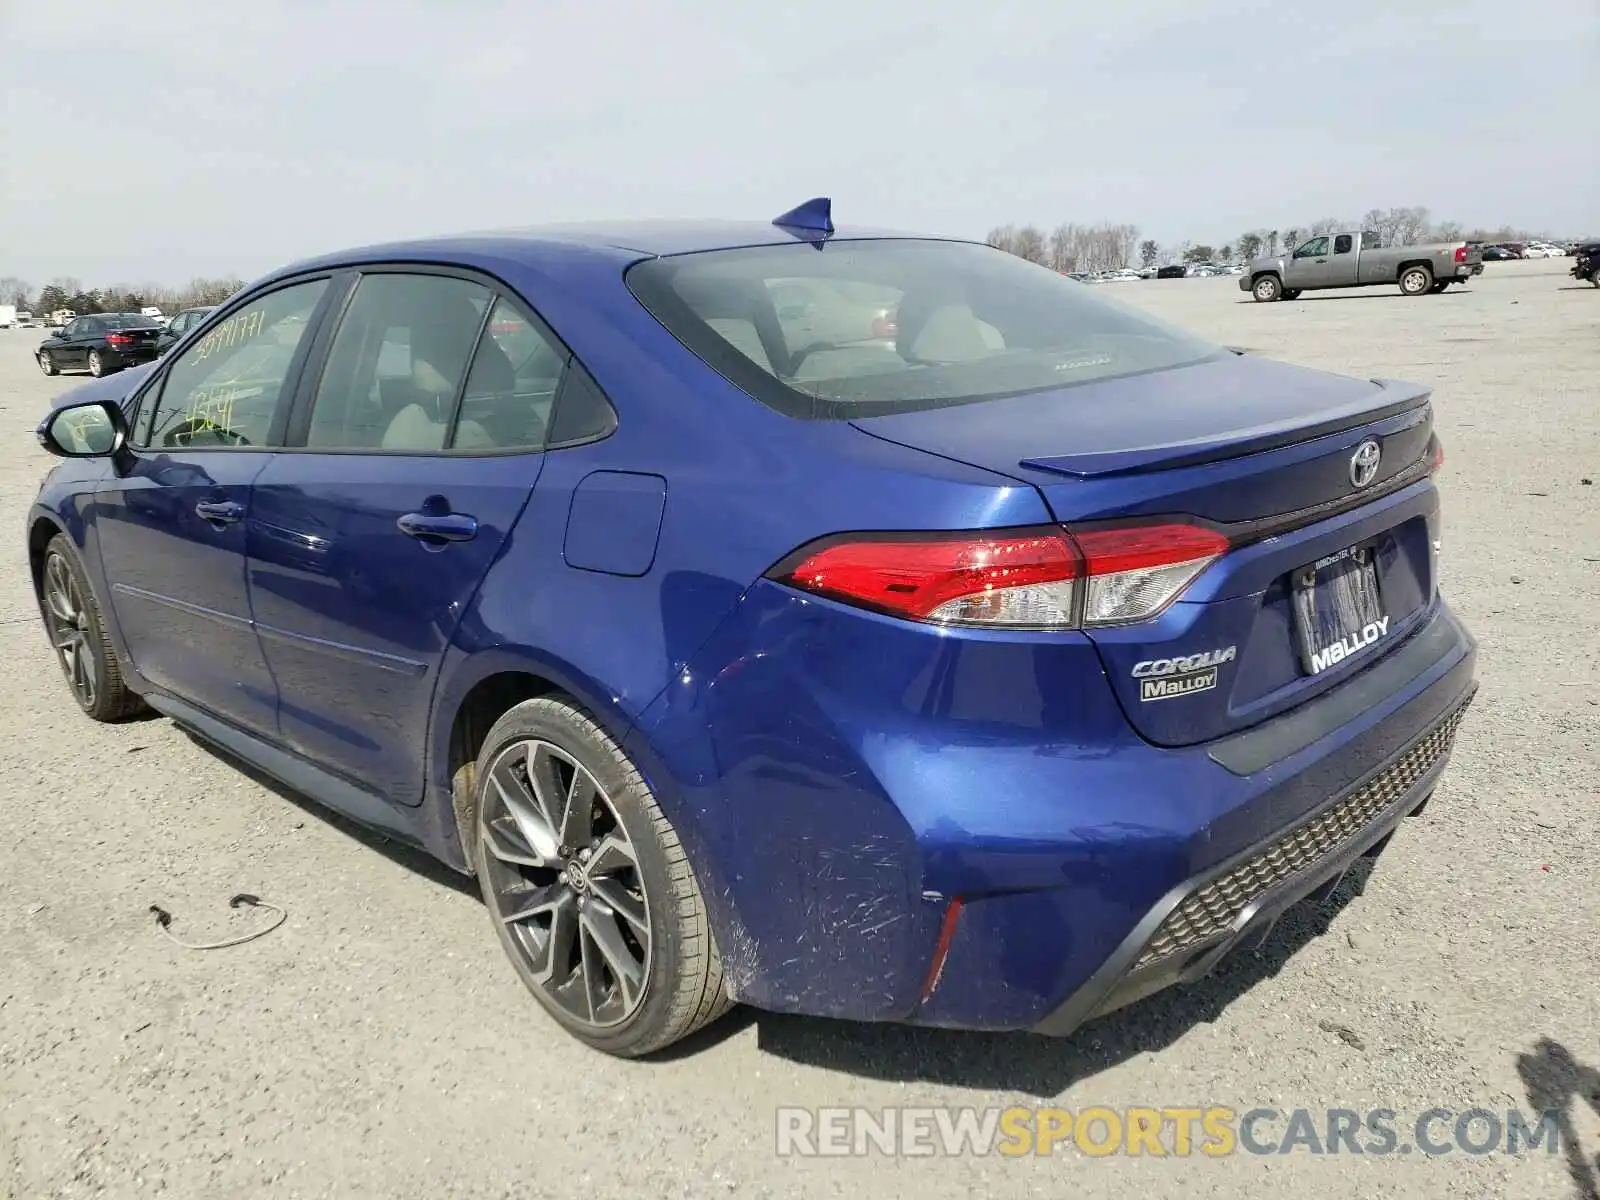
180	324
101	344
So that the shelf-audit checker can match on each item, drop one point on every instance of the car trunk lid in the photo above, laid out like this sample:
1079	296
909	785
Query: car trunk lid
1267	453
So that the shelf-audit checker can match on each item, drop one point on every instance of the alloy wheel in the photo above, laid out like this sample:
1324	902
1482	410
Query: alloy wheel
563	879
68	619
97	365
45	364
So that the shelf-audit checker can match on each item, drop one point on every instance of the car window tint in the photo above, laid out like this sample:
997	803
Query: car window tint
397	363
1313	248
1342	243
511	387
224	389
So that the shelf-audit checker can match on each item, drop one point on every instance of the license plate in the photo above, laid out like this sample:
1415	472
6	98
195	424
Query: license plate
1338	611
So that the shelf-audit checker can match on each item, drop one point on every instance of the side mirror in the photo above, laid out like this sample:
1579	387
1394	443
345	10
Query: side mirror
93	430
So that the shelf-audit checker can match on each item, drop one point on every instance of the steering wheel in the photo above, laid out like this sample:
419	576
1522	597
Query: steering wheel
184	434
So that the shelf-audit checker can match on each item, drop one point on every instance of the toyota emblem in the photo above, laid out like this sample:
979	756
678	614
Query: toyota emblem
1364	463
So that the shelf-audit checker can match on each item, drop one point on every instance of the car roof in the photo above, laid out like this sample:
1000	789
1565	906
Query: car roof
618	243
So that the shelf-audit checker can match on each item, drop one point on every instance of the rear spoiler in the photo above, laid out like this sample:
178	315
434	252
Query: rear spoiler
1393	397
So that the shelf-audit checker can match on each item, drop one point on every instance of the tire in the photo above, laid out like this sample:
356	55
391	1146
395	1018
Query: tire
1267	289
97	364
48	364
1439	286
78	632
581	888
1594	277
1416	281
1291	293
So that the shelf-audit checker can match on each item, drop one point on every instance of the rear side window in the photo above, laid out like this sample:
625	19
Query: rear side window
860	328
427	363
1342	243
397	363
511	389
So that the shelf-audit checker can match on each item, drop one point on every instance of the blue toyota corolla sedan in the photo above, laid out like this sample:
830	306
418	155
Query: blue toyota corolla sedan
832	621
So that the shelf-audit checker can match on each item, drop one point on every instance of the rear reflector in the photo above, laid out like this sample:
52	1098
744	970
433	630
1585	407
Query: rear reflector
1039	577
1135	573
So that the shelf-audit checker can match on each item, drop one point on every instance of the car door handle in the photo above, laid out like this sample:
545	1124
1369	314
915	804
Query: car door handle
224	512
446	527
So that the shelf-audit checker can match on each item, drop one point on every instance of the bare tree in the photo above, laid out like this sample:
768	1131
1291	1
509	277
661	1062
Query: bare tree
1291	240
1325	225
1226	253
1411	225
1272	241
1029	244
1148	253
1003	237
1127	244
1250	246
1064	248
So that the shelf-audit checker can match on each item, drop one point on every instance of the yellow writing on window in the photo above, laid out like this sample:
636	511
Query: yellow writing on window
236	329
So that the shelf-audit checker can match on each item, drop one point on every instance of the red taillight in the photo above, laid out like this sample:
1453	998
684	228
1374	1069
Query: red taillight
118	339
1461	254
1034	578
1018	577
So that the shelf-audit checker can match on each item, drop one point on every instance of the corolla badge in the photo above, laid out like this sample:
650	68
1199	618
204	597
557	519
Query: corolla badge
1183	675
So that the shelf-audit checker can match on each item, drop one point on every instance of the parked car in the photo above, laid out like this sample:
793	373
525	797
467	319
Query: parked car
1586	262
1173	271
101	344
830	679
154	313
1497	254
1359	259
180	323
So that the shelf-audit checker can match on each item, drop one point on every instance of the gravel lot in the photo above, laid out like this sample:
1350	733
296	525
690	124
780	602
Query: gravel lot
378	1045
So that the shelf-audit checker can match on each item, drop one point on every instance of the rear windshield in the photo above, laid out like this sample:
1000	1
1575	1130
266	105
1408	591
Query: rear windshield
863	328
126	321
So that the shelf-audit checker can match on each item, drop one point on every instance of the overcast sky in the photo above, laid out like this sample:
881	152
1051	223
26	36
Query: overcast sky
156	142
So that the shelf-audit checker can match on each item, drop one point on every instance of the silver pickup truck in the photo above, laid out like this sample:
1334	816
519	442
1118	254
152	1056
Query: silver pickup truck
1359	259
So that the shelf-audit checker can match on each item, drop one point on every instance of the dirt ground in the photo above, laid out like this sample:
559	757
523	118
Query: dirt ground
378	1045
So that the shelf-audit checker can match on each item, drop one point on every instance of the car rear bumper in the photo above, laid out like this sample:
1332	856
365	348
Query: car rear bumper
130	358
894	822
1206	919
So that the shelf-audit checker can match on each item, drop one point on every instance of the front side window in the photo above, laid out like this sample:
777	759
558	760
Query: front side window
860	328
1315	248
397	363
223	390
